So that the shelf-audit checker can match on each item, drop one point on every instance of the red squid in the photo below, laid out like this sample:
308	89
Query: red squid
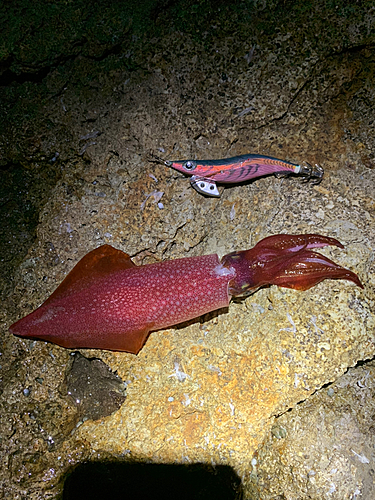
107	302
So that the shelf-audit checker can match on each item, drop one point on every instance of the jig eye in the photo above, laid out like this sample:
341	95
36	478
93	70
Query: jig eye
190	165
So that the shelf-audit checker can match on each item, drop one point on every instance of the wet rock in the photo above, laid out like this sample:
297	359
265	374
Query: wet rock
326	450
271	78
94	389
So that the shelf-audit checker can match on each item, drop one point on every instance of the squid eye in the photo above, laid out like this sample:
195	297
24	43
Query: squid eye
190	165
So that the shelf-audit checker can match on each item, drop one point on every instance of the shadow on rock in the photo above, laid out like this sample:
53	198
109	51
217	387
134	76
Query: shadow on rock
116	480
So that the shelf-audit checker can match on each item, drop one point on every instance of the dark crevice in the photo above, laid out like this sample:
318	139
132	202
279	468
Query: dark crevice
9	77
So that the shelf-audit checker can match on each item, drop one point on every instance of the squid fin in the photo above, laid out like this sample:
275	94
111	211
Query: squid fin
93	266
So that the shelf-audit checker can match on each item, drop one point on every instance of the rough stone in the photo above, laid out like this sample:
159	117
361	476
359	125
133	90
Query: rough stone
210	84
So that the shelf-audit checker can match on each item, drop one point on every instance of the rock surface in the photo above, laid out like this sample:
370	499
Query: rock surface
211	83
334	456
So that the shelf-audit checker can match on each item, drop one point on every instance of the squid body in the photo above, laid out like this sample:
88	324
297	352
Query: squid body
107	302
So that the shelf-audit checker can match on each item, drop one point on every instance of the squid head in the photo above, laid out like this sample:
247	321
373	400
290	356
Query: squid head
287	261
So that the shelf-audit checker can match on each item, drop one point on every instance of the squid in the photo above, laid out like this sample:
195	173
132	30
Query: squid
107	302
206	173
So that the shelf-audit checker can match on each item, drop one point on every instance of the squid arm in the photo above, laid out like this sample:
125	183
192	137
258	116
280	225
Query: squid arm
107	302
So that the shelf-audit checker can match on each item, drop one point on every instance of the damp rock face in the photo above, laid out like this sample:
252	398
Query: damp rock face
203	83
325	444
94	389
